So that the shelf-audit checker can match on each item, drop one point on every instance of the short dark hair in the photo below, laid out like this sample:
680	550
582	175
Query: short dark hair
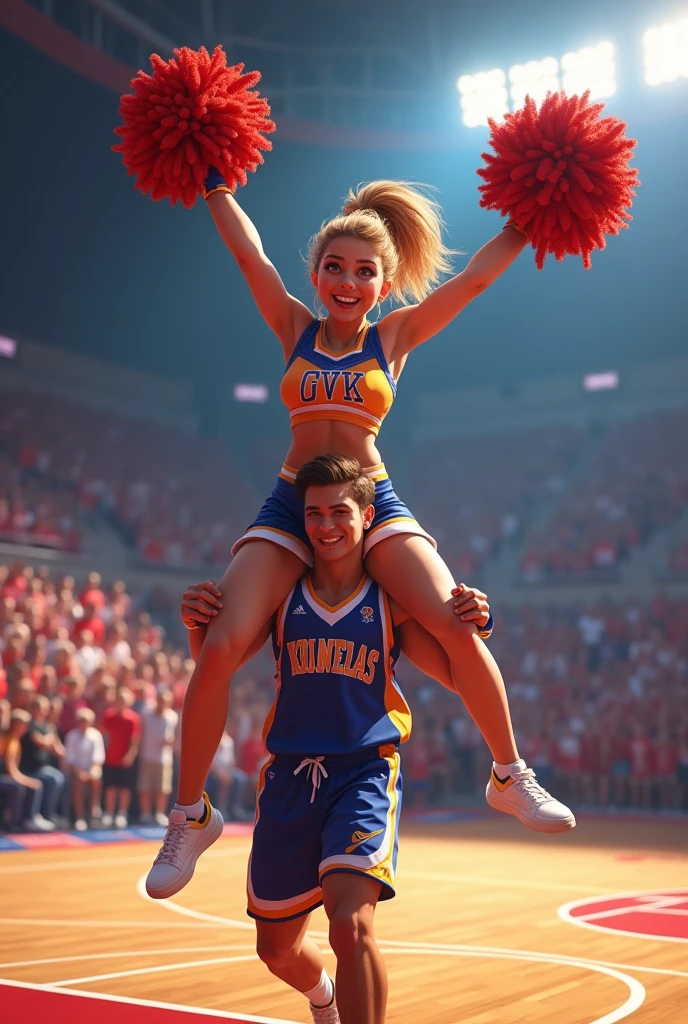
336	469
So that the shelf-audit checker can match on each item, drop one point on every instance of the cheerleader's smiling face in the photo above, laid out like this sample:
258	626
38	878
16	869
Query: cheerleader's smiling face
349	279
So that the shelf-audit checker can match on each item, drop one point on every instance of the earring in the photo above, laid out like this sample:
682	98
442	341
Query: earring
379	311
319	309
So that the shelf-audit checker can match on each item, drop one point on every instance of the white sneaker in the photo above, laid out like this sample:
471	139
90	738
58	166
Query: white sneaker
522	795
121	821
106	821
162	819
80	825
38	824
325	1014
46	825
183	844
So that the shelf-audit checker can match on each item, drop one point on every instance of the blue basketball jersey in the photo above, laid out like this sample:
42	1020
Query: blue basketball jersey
336	690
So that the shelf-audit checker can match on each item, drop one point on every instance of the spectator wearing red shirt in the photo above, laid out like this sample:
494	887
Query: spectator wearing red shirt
438	766
418	759
253	755
567	762
121	728
640	749
597	756
92	594
665	770
92	622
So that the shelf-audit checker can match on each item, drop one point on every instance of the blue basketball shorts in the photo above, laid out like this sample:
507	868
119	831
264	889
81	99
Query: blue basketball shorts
317	816
281	518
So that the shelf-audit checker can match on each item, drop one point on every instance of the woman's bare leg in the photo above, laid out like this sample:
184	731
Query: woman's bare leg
253	587
413	574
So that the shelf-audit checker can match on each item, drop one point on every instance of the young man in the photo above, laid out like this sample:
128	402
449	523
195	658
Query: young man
329	797
83	761
121	728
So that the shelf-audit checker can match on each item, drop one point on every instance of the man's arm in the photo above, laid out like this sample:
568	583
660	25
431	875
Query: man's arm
13	770
130	756
200	603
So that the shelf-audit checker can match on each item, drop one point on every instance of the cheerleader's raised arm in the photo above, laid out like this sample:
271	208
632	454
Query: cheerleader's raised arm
284	314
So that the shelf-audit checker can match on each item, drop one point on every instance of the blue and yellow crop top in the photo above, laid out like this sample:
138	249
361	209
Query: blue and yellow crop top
354	387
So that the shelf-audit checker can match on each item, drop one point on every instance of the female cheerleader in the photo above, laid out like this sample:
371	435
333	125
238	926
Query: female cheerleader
340	381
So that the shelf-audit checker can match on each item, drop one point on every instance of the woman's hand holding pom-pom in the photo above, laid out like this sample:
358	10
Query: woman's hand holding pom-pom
192	114
560	174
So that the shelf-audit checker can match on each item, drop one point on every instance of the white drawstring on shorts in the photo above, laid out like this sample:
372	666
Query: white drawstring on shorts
315	770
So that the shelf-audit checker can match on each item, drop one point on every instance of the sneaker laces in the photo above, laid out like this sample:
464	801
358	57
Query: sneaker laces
315	769
530	787
177	832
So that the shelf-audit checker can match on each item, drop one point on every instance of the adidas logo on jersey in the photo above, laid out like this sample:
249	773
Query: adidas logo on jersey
299	610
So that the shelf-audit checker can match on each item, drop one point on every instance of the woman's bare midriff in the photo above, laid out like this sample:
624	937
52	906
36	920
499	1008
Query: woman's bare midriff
331	437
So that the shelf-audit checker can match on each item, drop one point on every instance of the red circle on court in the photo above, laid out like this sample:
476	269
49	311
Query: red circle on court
653	914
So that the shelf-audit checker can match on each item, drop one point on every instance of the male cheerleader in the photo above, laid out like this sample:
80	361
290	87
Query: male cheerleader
329	796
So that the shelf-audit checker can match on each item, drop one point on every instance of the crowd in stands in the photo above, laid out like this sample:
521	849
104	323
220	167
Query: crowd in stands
91	691
90	694
177	500
636	484
35	511
475	493
599	700
182	501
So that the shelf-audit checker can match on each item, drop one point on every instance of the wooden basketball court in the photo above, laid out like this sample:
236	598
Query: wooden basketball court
491	924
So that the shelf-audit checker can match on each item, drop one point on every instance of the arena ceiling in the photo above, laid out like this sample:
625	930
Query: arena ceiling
374	65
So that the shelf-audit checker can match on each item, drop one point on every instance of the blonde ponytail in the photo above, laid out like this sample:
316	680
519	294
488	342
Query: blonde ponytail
403	224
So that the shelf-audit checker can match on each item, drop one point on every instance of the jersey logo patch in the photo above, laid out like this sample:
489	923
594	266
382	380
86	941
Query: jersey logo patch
361	837
367	614
299	610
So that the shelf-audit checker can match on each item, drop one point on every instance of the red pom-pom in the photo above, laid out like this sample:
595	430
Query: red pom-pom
561	173
192	113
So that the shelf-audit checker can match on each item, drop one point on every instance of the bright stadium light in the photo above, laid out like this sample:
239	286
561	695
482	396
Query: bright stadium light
590	68
666	52
601	381
534	79
250	393
482	96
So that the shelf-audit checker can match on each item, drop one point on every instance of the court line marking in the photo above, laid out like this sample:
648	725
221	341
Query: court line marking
67	865
59	923
564	912
229	922
198	915
432	876
200	1010
634	1000
160	969
112	956
398	944
532	954
636	996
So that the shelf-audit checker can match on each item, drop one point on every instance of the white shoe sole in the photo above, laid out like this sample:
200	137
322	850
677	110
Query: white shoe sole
551	827
211	832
